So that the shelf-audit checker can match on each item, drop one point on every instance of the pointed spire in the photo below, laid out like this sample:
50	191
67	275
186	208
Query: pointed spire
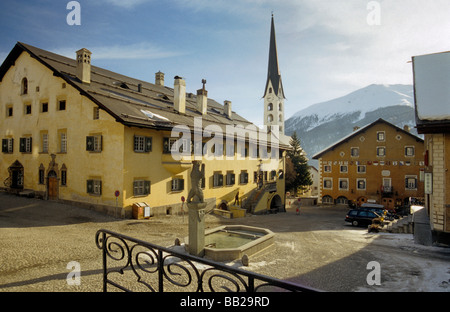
273	73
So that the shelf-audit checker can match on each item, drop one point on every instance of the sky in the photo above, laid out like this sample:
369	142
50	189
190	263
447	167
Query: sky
326	48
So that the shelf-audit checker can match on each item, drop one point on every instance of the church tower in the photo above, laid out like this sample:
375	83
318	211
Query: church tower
274	93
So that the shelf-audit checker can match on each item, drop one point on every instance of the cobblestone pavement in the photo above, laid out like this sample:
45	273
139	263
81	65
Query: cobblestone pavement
38	239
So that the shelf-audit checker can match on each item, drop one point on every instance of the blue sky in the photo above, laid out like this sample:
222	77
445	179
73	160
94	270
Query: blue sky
326	48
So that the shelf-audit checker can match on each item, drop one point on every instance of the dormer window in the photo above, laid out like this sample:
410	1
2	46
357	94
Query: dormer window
24	86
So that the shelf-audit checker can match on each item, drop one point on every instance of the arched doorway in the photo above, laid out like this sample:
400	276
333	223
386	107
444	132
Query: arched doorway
52	185
276	204
16	176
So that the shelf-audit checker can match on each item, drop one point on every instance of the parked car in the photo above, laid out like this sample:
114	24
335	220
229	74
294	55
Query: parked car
359	217
379	209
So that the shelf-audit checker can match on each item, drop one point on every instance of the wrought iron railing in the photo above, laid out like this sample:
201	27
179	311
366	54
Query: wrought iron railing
130	264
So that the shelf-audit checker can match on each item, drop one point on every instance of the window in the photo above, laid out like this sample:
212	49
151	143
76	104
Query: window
173	144
25	145
361	184
328	184
343	169
354	152
62	105
94	143
327	168
63	142
361	169
9	111
230	178
44	107
380	136
41	174
243	177
141	188
327	199
177	185
96	113
270	118
63	175
7	146
44	142
273	175
142	144
381	151
343	184
409	151
217	179
411	182
270	107
24	86
94	187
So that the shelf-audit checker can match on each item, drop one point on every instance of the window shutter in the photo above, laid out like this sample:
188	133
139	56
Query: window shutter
90	143
135	145
146	187
5	145
90	186
166	148
22	145
245	177
233	178
100	186
148	144
101	148
220	180
181	185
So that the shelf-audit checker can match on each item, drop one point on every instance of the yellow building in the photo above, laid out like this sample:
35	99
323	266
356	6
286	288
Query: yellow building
432	106
81	134
379	162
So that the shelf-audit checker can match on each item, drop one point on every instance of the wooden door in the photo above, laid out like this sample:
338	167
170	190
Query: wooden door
52	186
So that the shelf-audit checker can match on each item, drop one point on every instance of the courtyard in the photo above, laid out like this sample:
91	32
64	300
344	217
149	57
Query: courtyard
315	248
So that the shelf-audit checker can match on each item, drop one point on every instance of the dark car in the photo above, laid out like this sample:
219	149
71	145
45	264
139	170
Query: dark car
359	217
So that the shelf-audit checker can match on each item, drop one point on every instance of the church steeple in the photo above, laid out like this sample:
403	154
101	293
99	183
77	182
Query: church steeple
273	93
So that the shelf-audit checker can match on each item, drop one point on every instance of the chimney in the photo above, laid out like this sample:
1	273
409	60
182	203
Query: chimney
159	79
179	98
202	99
227	108
355	128
84	65
139	87
406	128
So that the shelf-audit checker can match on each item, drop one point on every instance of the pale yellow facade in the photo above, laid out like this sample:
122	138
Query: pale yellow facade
61	119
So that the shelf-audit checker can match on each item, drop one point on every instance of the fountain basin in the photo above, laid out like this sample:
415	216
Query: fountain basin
231	242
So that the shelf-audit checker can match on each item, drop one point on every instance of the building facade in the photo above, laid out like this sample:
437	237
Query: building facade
81	134
432	106
377	163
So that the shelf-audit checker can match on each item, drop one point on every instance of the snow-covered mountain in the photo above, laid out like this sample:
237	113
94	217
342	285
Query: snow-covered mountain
320	125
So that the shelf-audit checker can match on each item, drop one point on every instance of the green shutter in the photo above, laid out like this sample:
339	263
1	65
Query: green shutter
90	143
22	145
148	144
5	145
146	187
90	186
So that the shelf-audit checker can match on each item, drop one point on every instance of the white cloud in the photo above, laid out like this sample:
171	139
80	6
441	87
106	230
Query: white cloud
137	51
128	4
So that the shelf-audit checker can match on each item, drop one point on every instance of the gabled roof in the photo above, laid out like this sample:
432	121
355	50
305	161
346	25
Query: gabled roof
273	72
361	130
151	107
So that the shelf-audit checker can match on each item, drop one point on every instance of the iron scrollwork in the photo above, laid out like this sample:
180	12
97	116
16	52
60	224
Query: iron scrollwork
131	264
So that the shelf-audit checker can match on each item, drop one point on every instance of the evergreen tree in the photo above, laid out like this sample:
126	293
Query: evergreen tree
297	175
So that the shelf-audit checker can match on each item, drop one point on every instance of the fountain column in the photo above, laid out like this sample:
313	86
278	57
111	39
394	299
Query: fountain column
196	228
196	212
